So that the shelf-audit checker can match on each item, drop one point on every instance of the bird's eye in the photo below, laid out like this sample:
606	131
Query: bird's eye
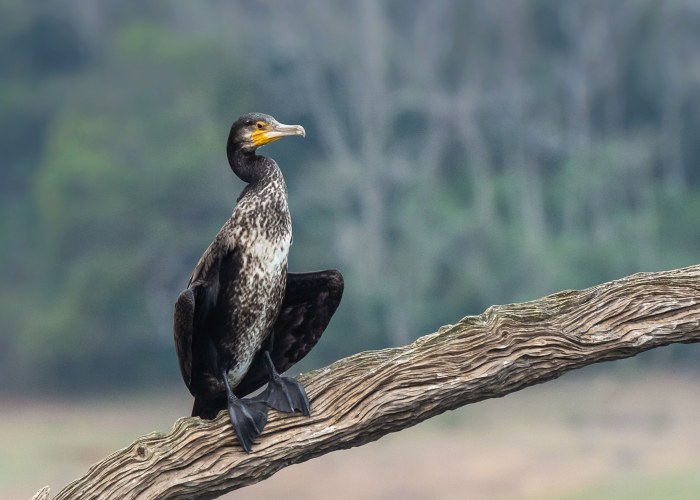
260	125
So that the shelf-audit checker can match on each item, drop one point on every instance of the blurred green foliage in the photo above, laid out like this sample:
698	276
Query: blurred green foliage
546	148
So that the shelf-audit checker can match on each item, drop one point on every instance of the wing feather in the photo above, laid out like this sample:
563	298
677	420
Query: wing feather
194	305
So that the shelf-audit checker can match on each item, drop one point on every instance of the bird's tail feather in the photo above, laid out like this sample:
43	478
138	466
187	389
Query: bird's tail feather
207	408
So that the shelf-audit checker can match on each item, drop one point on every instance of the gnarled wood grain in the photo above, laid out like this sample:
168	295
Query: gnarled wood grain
363	397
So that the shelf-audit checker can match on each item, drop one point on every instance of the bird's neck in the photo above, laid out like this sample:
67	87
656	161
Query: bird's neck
260	173
252	168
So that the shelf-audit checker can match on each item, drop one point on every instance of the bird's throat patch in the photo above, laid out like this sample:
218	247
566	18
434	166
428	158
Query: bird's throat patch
261	137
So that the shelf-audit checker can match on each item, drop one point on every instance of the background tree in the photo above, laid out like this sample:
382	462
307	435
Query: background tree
459	154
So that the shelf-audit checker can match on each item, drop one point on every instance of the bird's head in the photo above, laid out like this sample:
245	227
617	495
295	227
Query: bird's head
254	130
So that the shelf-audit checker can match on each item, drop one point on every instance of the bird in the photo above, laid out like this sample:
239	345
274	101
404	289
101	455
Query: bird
243	319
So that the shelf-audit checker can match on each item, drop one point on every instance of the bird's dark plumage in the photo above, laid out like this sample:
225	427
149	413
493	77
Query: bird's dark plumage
243	319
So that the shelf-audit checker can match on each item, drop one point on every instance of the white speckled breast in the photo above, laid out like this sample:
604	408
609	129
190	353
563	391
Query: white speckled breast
263	223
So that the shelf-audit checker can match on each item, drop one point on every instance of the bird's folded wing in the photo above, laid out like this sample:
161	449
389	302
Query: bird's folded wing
193	307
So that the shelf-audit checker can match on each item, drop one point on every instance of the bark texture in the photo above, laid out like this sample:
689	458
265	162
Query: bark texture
363	397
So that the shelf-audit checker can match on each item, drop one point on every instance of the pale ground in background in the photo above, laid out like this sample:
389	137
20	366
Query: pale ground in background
587	435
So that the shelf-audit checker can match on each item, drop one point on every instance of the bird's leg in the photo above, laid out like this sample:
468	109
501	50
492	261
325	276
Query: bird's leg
284	393
248	416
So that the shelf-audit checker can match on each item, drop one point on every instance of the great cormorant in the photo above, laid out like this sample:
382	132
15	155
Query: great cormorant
243	319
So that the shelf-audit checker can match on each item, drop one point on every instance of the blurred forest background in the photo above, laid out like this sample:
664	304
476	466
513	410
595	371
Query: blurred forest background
458	154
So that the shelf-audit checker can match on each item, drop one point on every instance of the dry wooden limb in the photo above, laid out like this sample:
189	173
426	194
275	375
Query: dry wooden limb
363	397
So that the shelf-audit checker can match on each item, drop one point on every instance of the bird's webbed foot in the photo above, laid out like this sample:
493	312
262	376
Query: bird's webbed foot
248	417
284	393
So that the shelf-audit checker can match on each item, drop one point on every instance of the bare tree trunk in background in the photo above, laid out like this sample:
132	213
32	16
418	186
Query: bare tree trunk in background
361	398
520	106
671	133
364	139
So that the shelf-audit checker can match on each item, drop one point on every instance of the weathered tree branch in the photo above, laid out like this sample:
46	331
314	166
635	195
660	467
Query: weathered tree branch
363	397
